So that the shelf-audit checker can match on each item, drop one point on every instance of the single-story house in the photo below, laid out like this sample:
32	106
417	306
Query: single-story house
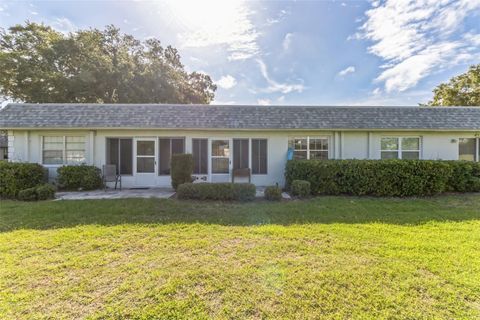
140	138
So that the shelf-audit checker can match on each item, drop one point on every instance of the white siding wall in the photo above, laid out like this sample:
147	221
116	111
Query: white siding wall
26	146
355	145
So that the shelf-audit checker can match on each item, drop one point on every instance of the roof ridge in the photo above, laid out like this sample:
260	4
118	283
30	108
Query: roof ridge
238	105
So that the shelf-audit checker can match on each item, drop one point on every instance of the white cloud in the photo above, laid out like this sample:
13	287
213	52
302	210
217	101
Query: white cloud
274	86
281	99
347	70
287	41
417	38
220	102
226	82
280	16
343	4
264	102
33	13
215	23
379	98
63	25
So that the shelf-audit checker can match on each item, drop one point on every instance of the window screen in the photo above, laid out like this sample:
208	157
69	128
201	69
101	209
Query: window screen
259	156
240	153
200	156
167	147
120	153
467	149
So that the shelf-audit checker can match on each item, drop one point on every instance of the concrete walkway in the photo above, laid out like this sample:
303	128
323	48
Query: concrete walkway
163	193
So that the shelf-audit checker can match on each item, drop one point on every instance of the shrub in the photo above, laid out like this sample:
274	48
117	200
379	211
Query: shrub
300	188
273	193
374	177
45	191
465	176
79	177
181	169
15	177
29	194
217	191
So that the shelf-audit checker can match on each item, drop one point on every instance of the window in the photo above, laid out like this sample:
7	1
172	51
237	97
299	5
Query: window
309	148
63	150
120	153
200	156
52	150
145	156
220	156
167	147
259	156
400	148
75	150
318	148
468	149
240	153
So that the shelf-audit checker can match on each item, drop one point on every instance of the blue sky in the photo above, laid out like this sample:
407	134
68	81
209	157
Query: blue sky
302	52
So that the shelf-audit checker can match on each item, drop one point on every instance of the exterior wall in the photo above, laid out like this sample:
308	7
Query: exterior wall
26	146
355	145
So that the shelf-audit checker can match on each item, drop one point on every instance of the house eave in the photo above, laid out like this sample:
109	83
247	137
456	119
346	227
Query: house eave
241	129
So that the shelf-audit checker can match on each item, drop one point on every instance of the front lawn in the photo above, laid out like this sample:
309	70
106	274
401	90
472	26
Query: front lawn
329	257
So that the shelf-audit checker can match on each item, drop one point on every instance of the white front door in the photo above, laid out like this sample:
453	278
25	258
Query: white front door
145	162
220	159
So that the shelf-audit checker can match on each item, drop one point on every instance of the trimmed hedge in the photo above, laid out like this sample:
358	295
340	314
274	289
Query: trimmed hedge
181	169
16	176
82	177
300	188
40	192
45	191
465	176
217	191
273	193
29	194
397	178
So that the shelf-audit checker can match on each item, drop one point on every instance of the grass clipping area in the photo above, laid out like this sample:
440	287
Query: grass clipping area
328	257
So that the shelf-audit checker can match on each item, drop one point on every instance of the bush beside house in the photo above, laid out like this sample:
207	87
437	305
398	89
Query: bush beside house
385	177
41	192
181	169
300	188
465	176
273	193
82	177
217	191
15	177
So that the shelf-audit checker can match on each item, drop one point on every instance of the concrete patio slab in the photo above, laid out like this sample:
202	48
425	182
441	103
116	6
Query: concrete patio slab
260	192
162	193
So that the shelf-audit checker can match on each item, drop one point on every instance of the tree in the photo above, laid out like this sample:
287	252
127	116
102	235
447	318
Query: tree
462	90
39	64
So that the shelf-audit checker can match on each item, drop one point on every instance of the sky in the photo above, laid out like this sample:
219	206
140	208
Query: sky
292	53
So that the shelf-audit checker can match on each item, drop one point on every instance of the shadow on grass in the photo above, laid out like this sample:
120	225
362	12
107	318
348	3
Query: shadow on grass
325	210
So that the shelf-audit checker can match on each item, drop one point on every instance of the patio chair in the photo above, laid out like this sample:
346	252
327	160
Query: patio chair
110	175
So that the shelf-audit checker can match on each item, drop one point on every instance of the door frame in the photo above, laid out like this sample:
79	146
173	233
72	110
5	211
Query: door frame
210	159
142	179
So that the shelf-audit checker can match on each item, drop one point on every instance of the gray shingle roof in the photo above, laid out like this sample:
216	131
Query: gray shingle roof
166	116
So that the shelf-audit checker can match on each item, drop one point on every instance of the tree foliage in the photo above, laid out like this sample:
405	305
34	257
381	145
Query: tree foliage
39	64
462	90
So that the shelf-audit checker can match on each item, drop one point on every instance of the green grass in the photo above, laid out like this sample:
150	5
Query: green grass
329	257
